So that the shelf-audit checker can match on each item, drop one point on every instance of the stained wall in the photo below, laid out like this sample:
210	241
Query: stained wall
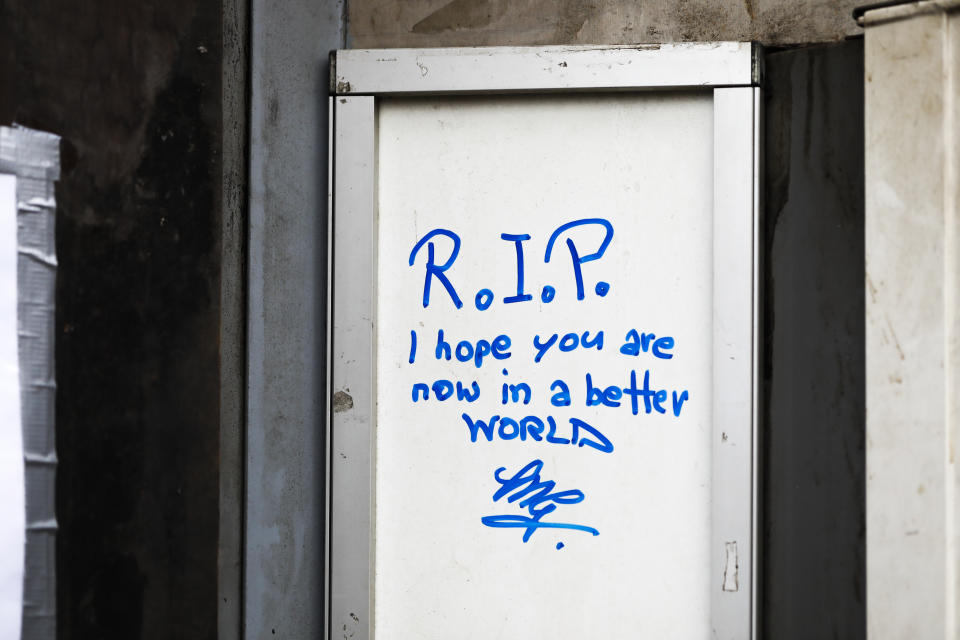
134	89
447	23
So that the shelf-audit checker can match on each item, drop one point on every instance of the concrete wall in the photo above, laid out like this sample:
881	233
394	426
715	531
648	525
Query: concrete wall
913	320
442	23
286	323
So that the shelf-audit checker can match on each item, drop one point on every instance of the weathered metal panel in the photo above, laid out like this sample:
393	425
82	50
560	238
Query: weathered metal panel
505	69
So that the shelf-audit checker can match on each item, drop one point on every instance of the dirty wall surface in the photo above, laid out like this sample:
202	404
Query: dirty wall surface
447	23
134	91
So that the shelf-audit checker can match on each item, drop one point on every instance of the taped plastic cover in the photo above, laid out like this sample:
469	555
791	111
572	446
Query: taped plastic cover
34	157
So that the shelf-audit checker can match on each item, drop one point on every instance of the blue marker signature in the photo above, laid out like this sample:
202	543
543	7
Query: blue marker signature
532	492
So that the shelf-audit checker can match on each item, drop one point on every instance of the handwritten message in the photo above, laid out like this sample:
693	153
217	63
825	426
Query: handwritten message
487	414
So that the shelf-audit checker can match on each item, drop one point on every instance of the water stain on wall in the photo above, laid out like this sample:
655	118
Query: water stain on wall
437	23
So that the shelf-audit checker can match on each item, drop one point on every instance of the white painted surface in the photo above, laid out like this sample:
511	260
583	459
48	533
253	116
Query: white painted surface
527	165
913	321
360	71
12	505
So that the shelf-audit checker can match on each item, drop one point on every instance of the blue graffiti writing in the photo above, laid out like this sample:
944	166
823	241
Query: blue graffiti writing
465	351
536	496
568	342
602	288
433	269
635	343
581	433
438	270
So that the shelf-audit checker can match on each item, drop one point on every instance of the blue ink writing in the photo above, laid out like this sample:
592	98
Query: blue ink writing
466	351
536	496
443	390
568	342
609	397
433	269
653	399
542	347
515	390
562	396
602	287
637	342
484	299
582	434
438	269
518	240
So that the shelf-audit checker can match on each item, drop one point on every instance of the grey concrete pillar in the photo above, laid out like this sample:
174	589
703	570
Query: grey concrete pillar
913	319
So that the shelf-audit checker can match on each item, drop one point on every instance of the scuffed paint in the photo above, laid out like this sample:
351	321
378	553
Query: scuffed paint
342	401
731	568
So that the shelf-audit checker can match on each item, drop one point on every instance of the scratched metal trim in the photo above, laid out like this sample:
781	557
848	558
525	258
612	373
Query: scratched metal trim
351	421
34	157
467	70
735	361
